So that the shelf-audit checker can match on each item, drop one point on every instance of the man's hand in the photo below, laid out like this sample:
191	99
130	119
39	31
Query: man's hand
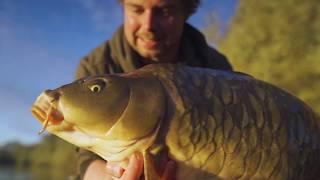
100	170
134	169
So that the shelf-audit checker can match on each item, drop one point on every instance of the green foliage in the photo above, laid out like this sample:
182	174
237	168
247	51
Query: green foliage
279	42
14	154
54	154
51	158
6	158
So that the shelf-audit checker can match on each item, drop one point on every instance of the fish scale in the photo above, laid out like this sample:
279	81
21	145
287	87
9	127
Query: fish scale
264	130
213	124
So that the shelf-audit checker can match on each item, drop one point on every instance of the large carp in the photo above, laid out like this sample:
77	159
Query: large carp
213	124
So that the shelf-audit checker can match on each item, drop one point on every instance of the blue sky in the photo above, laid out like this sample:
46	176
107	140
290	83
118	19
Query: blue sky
41	42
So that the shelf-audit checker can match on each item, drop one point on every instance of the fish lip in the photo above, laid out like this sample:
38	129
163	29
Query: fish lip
39	113
53	125
48	113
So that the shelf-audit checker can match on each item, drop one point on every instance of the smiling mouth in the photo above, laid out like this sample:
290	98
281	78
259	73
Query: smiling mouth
149	40
150	43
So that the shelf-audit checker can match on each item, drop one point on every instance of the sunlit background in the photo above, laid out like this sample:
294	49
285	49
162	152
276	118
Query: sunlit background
41	43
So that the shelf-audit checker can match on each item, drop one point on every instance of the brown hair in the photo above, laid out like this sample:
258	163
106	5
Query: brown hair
190	6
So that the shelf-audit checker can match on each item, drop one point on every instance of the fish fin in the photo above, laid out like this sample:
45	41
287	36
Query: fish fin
150	172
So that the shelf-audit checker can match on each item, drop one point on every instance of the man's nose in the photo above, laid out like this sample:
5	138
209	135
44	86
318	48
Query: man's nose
150	20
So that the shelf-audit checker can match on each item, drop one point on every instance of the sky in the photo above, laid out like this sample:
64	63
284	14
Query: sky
41	42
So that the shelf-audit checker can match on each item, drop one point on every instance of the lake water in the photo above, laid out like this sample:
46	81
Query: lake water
10	174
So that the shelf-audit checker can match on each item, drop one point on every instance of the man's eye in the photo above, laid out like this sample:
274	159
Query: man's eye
137	10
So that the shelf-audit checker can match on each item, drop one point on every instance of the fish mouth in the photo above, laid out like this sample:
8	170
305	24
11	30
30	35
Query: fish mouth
47	112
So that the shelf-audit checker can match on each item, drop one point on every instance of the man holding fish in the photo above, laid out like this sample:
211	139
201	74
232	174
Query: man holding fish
153	31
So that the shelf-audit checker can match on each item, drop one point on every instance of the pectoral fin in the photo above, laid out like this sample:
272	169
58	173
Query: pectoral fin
150	171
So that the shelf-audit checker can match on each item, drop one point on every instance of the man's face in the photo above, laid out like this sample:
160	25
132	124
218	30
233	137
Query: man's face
154	27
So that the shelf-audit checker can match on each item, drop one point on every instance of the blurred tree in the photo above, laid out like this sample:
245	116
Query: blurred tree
279	42
63	153
41	155
16	153
52	158
52	151
6	158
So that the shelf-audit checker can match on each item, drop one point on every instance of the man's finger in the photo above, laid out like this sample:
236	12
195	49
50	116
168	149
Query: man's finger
134	169
114	169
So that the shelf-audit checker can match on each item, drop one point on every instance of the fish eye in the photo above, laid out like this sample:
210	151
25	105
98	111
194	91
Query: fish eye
96	85
95	88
